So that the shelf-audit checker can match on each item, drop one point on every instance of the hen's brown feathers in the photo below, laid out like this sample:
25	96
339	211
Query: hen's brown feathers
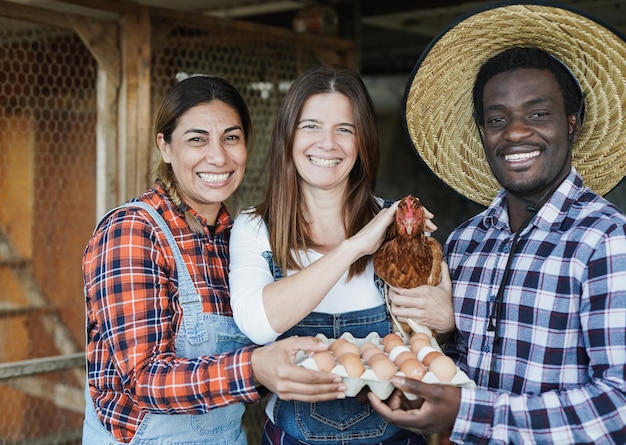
408	258
409	264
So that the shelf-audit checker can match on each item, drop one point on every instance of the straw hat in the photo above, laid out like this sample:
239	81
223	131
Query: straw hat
438	106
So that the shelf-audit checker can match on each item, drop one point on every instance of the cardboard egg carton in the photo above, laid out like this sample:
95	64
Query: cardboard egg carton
382	388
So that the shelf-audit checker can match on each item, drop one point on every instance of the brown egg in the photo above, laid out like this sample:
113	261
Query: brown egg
397	350
382	366
392	340
428	358
352	363
370	352
340	346
418	336
420	342
424	352
367	345
402	357
443	367
324	360
413	369
391	336
334	344
373	355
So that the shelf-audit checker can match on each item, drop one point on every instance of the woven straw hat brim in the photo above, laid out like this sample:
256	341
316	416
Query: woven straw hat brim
438	107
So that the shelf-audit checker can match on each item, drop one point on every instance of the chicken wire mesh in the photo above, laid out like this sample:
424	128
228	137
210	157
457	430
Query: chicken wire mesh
47	135
48	126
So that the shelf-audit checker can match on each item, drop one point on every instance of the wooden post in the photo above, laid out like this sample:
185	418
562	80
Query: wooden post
101	39
134	105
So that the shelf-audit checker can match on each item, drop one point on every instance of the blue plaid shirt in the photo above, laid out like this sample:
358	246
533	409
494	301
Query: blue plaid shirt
559	373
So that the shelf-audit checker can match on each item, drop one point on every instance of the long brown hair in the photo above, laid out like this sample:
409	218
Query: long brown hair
281	207
187	94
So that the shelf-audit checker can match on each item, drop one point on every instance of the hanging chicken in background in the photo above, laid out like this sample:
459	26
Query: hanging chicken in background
408	258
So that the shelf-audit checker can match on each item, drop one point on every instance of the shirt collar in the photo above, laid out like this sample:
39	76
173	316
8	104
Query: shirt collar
223	222
551	214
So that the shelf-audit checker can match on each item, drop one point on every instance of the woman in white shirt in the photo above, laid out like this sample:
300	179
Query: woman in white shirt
301	260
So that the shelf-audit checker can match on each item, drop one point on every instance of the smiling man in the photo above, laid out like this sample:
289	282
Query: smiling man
539	277
529	110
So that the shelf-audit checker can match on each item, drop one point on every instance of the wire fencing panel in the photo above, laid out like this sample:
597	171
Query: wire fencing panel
47	165
48	116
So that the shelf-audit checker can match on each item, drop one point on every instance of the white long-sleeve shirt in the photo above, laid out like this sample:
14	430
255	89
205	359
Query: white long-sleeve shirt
250	273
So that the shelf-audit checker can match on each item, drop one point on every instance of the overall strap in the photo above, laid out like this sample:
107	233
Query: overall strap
190	300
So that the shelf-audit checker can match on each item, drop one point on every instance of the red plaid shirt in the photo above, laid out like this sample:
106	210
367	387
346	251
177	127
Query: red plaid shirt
133	315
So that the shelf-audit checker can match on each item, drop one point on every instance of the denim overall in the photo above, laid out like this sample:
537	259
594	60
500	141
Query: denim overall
199	334
336	422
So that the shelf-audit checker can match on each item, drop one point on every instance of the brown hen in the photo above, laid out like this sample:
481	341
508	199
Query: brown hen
408	258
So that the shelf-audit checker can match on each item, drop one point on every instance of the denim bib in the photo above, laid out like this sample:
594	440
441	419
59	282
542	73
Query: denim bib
335	422
199	334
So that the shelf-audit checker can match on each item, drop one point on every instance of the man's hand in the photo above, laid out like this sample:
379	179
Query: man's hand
274	367
429	306
434	410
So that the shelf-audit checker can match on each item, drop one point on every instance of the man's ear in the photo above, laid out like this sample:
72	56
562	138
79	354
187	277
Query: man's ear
574	126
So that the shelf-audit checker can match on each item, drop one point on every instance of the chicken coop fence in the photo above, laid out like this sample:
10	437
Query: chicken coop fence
48	137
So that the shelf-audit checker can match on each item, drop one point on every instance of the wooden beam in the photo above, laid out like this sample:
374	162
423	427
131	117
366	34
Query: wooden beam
117	6
268	32
144	140
101	40
35	366
8	310
135	112
41	16
107	174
